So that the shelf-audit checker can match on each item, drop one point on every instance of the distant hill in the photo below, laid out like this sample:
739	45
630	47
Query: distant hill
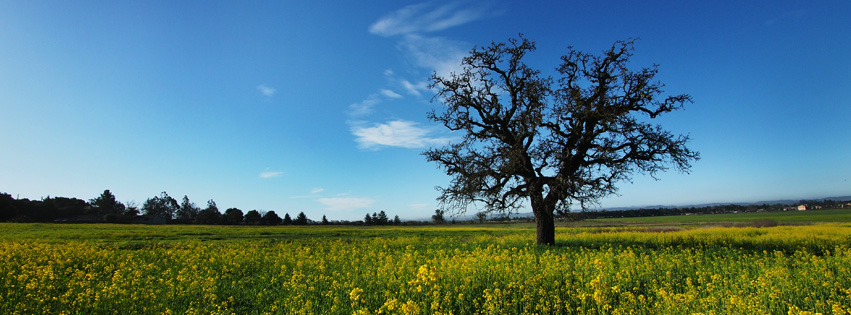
703	205
528	215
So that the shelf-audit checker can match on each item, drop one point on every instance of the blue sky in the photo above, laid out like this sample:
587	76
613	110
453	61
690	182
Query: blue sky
320	106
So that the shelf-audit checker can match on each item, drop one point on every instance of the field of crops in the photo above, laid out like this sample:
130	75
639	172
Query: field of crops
117	269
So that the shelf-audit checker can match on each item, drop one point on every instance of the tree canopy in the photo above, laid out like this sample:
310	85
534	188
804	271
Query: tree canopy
552	142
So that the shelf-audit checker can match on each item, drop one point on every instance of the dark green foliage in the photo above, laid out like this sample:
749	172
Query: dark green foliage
301	219
187	211
381	218
161	206
271	218
208	216
106	204
253	217
287	219
438	216
233	216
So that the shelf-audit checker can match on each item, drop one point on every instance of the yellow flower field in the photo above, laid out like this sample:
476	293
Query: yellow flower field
452	270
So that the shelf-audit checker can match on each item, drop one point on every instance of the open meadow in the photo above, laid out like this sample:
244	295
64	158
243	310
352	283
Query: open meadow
453	269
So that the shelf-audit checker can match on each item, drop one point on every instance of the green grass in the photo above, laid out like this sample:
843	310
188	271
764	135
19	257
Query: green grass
132	234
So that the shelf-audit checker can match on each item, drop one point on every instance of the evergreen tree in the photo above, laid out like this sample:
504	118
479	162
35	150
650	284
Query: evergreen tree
382	218
300	219
106	204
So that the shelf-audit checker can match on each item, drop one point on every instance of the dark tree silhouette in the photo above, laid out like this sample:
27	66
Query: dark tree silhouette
287	220
381	219
106	204
187	211
300	219
253	217
553	143
8	209
482	215
208	216
324	220
438	216
162	205
233	216
271	218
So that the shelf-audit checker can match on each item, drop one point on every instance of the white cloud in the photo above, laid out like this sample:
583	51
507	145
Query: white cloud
429	17
266	90
364	108
346	203
390	94
317	190
437	54
433	53
270	174
414	88
397	133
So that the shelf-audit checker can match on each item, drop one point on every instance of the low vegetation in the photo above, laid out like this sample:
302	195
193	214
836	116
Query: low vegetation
470	269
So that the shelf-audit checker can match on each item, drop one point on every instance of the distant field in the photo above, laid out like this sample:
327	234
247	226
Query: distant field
463	269
812	216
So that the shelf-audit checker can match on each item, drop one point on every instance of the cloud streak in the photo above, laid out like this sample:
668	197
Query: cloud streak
411	24
429	17
390	94
266	90
270	174
397	133
346	203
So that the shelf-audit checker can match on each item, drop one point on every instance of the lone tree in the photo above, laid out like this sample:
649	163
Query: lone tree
553	142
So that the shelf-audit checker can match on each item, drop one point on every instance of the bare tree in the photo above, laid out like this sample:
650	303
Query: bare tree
552	142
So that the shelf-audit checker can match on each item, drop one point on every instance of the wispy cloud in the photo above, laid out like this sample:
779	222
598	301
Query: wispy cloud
429	17
317	190
390	94
266	90
411	23
270	174
346	203
364	108
414	88
397	133
437	54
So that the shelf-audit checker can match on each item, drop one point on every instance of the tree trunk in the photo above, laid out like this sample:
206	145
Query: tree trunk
546	228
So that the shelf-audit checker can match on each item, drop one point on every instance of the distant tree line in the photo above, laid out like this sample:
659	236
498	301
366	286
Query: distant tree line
161	209
164	209
713	209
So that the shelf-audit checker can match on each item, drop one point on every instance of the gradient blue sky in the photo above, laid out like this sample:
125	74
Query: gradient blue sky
319	106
